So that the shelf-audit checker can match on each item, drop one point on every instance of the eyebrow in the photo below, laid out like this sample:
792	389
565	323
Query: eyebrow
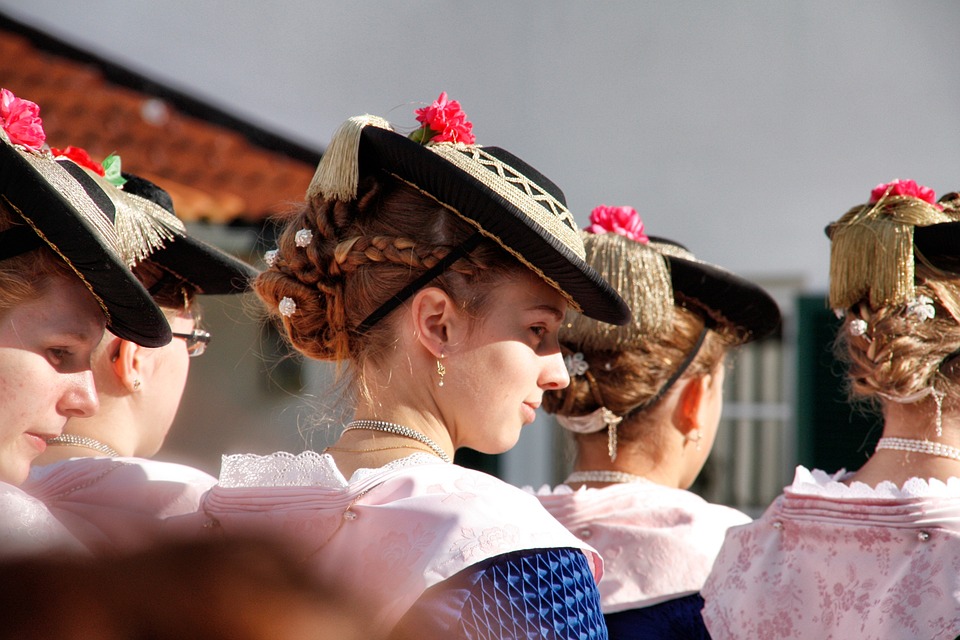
549	308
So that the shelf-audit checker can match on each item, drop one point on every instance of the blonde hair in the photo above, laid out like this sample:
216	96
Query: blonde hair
362	253
623	381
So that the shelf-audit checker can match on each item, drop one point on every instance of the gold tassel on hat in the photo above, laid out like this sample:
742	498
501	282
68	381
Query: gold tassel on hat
338	173
871	252
640	273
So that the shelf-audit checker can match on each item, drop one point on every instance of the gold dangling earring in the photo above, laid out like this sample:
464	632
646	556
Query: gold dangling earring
612	441
136	384
441	370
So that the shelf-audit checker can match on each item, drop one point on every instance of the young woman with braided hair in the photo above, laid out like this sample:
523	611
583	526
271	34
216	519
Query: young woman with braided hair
436	274
874	553
644	405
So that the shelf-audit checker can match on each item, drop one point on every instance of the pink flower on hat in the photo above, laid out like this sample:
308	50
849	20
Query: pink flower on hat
79	156
20	119
904	188
446	121
621	220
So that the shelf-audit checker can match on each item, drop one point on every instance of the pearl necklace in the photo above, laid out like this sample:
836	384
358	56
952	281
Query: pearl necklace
603	476
919	446
68	439
398	430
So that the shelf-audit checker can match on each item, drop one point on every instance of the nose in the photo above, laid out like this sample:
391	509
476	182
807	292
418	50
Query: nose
79	398
554	374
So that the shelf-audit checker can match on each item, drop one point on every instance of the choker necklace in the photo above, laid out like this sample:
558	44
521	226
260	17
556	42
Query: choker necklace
398	430
68	439
616	477
919	446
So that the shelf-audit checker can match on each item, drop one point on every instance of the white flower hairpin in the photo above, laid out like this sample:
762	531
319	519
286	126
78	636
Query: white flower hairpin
287	307
270	257
922	308
858	327
576	364
303	238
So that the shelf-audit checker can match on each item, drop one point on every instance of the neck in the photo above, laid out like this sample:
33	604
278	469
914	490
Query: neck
631	459
912	422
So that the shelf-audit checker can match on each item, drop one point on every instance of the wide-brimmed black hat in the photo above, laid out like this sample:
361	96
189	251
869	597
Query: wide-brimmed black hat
65	208
504	198
656	275
206	268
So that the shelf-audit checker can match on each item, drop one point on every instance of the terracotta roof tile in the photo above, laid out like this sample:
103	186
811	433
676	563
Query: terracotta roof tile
213	172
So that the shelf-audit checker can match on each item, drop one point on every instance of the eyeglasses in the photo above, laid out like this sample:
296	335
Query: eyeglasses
197	341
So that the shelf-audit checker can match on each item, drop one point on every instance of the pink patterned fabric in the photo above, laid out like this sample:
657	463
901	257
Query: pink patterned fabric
28	528
657	543
117	504
388	534
829	560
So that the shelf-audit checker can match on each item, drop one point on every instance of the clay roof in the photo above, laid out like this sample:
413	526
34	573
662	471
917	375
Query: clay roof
216	167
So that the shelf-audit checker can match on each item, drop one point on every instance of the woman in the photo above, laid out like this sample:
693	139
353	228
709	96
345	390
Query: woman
97	477
644	406
435	273
872	554
62	279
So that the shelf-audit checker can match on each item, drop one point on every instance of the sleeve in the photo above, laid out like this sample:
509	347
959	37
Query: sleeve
677	619
534	593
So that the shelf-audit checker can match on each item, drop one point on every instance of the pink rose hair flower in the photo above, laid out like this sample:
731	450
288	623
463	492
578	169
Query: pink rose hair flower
20	119
443	121
904	188
621	220
79	156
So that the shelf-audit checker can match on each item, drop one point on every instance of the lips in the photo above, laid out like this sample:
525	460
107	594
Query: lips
529	410
38	440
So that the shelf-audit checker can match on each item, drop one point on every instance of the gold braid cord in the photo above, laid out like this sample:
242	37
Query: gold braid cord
872	253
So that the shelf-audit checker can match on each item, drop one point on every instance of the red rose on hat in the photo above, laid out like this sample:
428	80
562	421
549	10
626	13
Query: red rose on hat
20	119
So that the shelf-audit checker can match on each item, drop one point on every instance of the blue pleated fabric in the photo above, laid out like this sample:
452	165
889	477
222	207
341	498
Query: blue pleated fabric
678	619
535	593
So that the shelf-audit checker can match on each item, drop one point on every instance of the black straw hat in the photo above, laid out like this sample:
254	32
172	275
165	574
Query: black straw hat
504	198
65	208
205	267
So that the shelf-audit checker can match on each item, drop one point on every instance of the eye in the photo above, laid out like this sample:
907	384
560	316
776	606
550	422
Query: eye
539	331
58	355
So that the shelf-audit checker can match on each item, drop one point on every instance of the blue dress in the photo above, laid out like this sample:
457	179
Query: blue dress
534	593
677	619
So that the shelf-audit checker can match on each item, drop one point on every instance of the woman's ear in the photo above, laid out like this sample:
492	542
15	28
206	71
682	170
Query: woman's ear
692	395
128	364
436	319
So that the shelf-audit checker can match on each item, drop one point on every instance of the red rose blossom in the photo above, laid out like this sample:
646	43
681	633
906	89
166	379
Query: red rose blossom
447	121
79	156
622	220
904	188
20	119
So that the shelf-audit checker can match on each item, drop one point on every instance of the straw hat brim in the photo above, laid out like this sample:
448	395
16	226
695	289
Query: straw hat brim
502	209
75	218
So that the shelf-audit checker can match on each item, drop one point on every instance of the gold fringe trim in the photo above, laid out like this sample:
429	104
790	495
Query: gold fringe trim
641	275
872	253
338	173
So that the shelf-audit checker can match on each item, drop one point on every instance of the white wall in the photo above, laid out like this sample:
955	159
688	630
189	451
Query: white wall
739	128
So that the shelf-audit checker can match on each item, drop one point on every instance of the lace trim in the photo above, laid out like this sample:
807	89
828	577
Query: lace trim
307	469
819	483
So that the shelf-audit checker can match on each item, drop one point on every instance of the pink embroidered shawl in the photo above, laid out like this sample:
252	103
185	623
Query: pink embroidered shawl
657	543
829	560
390	533
27	527
117	504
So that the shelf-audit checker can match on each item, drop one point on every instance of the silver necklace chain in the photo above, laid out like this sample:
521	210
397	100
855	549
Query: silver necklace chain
68	439
617	477
398	430
919	446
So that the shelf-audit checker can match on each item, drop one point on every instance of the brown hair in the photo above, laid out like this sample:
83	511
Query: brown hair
24	277
363	252
624	380
900	354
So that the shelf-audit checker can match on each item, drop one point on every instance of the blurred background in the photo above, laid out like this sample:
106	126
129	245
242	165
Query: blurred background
738	128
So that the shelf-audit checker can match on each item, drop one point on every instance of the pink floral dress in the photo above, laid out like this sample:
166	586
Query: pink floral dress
828	560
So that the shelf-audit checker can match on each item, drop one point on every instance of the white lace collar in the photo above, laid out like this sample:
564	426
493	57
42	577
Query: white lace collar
819	483
307	469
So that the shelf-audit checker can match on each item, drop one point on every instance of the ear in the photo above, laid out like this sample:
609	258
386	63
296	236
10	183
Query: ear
692	395
436	319
128	364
